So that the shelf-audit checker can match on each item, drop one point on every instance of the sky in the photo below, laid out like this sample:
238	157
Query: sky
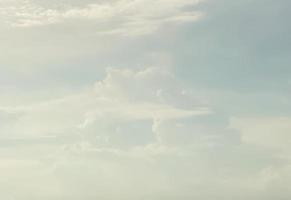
145	99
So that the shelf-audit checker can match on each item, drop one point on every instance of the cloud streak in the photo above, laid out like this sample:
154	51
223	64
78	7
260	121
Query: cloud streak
125	17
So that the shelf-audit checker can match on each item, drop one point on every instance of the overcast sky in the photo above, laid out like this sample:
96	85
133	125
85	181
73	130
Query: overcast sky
145	99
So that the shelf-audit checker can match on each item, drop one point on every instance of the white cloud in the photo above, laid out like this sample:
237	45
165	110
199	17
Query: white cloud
126	17
124	96
136	134
47	146
267	132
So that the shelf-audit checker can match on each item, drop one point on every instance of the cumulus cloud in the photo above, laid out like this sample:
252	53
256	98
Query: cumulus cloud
123	97
266	132
102	135
134	134
126	17
270	135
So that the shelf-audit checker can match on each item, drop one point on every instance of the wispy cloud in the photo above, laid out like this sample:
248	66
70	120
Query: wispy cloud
127	17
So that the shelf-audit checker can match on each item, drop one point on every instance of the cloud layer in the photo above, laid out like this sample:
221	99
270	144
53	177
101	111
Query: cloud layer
125	17
136	134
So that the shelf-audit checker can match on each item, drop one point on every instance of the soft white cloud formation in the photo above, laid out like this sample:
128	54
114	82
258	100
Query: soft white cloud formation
101	139
126	17
266	132
124	95
271	135
134	134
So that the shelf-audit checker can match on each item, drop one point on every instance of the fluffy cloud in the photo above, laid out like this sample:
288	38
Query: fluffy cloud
271	135
126	17
100	136
268	132
123	98
134	134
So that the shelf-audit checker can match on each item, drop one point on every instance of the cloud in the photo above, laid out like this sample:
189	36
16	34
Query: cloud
267	132
126	17
136	134
102	135
123	98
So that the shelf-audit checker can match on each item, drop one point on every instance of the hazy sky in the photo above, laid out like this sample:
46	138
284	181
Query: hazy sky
145	99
